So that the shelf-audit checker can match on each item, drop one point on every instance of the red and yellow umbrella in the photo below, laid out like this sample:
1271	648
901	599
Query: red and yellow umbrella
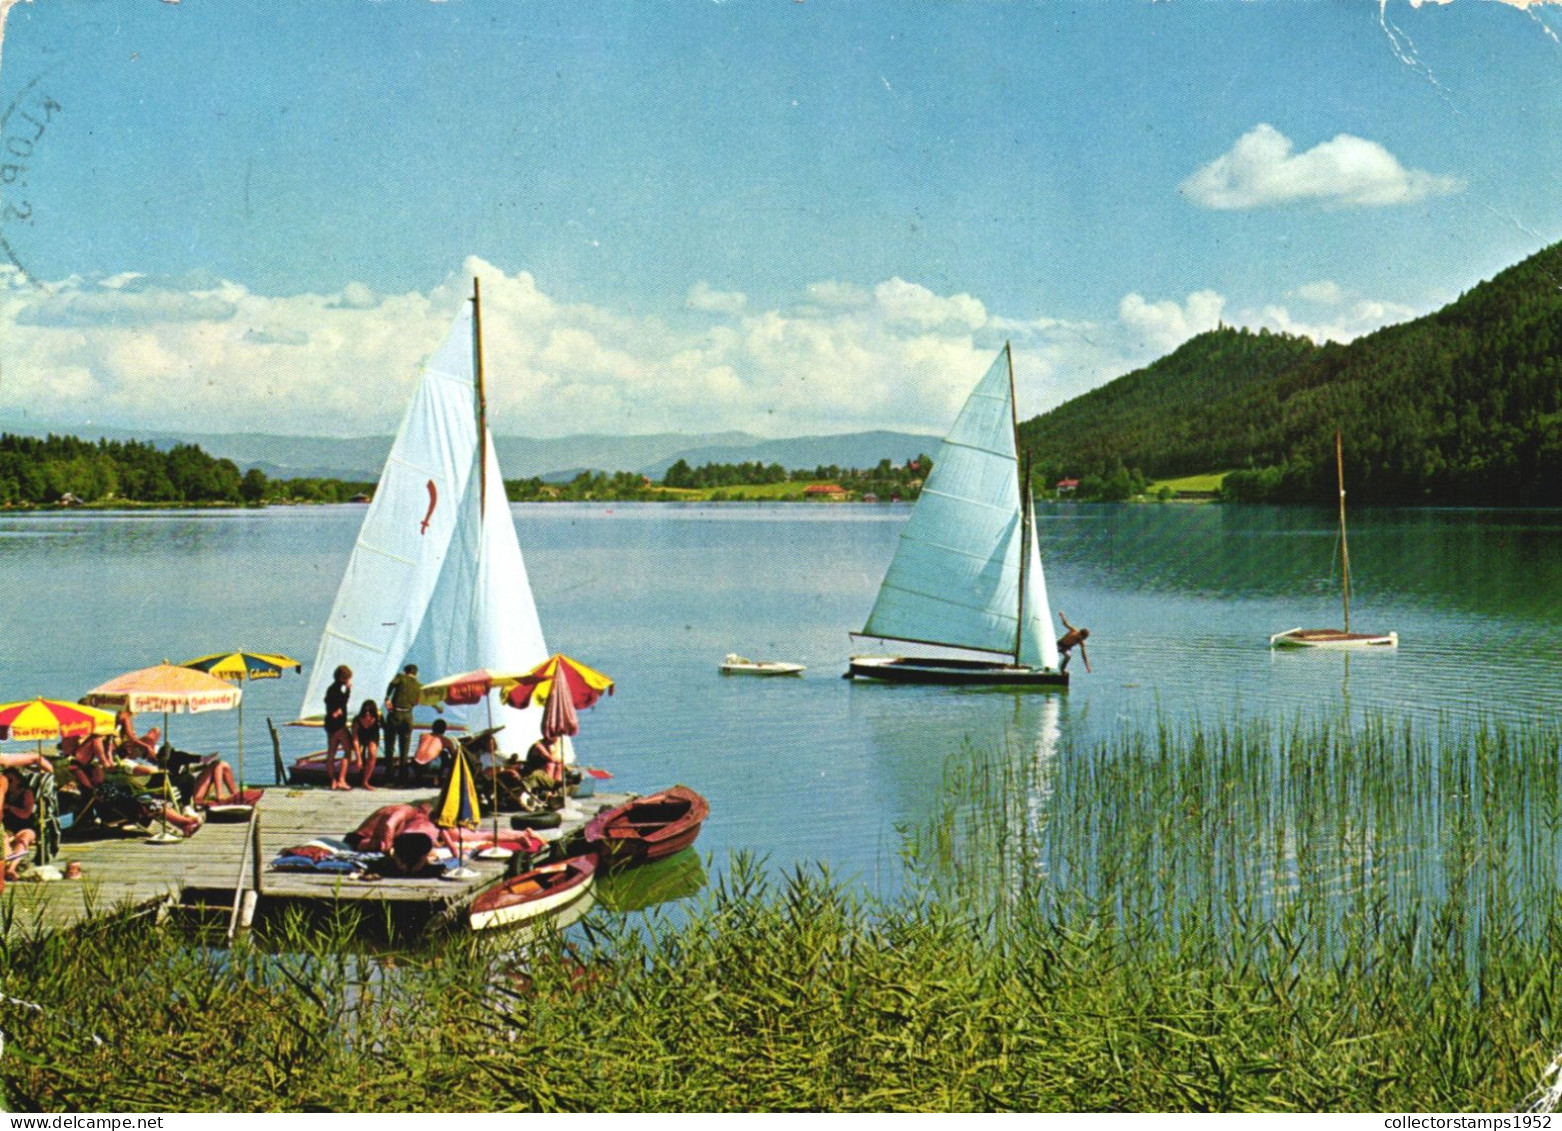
585	685
37	719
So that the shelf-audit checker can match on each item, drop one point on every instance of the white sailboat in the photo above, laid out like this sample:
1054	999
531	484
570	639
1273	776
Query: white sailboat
967	572
1335	637
436	577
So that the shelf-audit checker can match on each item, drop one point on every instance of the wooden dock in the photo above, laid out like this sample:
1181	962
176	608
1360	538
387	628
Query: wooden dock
207	870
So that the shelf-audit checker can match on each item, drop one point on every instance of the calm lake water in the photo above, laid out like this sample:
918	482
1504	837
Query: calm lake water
1180	601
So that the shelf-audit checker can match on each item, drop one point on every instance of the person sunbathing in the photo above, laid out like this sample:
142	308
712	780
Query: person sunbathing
131	745
215	786
19	806
115	801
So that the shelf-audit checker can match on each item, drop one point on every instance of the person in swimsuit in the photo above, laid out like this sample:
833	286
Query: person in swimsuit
338	735
435	744
1074	637
366	738
129	744
19	805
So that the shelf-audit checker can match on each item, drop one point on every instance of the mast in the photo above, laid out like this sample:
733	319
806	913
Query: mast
1339	464
482	398
1025	517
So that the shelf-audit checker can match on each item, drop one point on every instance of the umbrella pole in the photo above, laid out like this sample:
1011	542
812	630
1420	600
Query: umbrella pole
241	749
493	759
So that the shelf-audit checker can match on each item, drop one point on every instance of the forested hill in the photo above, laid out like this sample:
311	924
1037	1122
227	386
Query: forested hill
1463	406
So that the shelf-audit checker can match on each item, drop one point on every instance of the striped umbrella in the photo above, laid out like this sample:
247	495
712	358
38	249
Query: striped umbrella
585	684
40	718
236	667
457	808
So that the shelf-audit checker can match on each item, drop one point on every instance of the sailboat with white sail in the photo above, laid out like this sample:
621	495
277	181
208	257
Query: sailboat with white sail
1335	637
967	572
436	577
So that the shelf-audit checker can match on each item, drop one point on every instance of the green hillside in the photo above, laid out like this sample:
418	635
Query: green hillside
1463	406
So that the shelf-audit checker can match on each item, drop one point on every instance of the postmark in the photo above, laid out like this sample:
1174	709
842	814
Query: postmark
23	128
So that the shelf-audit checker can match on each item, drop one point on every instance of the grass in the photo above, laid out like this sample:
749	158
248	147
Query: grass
1319	916
1210	481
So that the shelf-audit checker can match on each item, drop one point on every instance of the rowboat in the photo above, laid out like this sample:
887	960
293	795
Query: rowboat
547	892
648	828
735	664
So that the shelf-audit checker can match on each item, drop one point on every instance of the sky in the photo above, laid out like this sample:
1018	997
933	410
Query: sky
786	217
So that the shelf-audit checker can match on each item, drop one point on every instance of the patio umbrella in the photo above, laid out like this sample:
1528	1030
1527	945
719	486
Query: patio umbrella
40	718
457	808
236	667
585	684
168	688
468	688
36	720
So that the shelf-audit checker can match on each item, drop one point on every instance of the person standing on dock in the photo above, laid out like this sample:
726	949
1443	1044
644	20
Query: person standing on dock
338	736
400	697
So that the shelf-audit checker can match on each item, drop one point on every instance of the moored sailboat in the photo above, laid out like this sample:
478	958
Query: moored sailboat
967	572
1336	637
436	576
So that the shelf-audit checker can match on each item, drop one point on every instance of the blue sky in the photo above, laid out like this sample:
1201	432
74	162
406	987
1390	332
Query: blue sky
693	215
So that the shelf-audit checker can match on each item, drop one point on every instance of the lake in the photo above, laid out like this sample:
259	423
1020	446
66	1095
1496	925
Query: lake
1180	601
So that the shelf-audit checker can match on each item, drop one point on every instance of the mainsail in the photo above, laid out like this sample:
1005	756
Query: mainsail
436	577
956	576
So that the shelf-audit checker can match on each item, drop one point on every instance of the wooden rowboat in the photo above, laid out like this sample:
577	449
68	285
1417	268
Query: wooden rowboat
541	893
648	828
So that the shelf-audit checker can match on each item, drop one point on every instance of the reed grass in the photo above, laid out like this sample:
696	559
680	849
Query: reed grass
1261	916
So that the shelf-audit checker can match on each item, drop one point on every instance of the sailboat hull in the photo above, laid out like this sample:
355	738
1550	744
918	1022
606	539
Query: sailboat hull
1332	638
958	673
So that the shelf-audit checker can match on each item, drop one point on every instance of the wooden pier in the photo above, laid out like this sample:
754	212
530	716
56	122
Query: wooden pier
213	868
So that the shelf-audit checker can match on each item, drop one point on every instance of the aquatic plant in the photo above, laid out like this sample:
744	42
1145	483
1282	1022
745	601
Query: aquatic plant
1304	916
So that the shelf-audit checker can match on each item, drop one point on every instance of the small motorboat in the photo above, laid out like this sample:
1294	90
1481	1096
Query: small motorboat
735	664
545	892
648	828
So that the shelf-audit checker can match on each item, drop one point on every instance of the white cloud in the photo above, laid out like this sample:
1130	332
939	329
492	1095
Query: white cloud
122	307
1261	171
914	305
836	357
1324	292
703	297
1165	325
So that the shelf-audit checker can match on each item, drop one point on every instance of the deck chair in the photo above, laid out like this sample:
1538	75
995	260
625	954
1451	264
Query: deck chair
46	812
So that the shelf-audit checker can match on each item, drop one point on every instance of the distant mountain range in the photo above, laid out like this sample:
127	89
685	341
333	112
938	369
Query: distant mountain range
521	457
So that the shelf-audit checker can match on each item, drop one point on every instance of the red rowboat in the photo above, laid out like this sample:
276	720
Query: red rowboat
648	828
545	892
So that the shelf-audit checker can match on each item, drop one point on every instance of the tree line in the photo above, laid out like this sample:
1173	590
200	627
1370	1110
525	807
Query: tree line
46	470
885	479
1462	406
